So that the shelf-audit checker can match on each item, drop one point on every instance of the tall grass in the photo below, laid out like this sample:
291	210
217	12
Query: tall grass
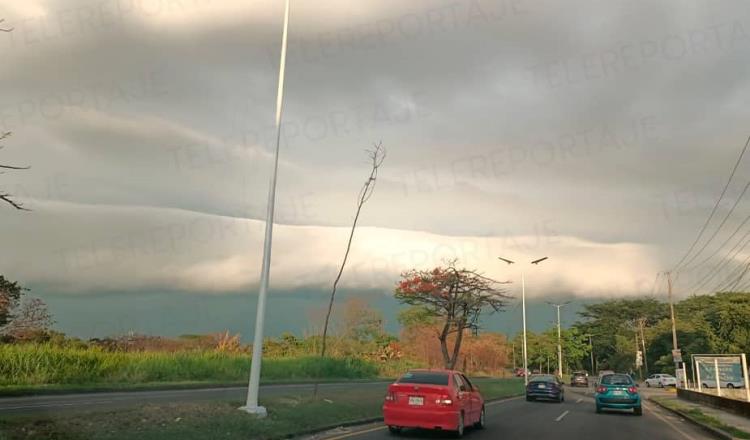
41	364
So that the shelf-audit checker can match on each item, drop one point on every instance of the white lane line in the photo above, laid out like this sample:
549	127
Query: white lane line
561	416
579	400
651	410
498	402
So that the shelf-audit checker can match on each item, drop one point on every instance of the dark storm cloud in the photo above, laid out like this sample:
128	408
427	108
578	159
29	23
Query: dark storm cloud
498	116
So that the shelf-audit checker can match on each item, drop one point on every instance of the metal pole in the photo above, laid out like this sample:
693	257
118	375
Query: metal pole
698	373
716	373
747	381
559	345
674	327
591	350
251	406
523	305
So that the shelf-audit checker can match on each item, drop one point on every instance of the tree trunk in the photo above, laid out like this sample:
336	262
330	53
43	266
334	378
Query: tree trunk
444	344
457	346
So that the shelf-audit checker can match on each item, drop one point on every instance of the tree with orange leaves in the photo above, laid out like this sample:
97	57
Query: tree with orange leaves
455	297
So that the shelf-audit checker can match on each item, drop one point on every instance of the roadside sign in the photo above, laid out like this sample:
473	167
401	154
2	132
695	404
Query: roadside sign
677	355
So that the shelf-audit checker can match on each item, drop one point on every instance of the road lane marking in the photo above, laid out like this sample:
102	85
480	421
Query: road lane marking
352	434
579	400
562	416
498	402
648	407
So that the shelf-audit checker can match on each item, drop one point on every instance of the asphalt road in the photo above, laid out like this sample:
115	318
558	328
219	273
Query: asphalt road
574	419
54	404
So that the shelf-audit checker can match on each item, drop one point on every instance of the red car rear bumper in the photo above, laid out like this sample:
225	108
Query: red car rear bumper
421	418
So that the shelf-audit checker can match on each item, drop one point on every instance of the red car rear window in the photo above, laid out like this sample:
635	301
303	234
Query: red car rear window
425	377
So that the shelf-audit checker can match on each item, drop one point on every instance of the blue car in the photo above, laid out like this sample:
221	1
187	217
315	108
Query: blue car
618	391
545	386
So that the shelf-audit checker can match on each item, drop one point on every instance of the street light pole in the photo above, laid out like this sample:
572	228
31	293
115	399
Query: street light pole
559	337
251	405
523	306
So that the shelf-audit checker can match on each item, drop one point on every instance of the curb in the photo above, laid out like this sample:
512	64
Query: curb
362	422
718	433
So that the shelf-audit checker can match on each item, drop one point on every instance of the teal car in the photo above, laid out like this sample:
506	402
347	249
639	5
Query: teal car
618	391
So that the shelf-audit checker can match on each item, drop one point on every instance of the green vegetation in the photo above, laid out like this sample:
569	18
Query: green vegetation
288	414
697	415
705	324
40	364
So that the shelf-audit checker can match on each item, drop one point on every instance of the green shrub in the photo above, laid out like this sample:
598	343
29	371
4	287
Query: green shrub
40	364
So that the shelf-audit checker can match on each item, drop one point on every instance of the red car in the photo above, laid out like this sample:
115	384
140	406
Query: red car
443	400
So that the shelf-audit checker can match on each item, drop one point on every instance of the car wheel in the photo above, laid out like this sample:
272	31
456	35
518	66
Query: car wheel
638	411
529	398
661	385
706	386
730	385
598	409
394	430
648	384
460	428
480	423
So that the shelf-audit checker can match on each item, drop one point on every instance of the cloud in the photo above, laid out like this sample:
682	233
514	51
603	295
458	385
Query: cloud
114	248
603	130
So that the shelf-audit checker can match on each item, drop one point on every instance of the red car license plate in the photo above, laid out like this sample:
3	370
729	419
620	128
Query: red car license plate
416	400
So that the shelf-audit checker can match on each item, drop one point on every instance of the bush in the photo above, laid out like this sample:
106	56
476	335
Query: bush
43	364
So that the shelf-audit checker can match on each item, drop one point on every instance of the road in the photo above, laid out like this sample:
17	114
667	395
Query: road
574	419
53	404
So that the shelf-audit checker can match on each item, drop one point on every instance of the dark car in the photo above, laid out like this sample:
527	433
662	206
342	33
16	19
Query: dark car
545	386
579	379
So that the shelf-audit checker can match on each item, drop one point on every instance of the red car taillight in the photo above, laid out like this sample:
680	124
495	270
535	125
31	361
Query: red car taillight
601	390
444	400
390	397
633	390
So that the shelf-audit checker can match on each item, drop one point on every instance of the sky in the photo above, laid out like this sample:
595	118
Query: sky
599	134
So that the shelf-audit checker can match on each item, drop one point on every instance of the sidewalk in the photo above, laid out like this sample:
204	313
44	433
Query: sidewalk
737	426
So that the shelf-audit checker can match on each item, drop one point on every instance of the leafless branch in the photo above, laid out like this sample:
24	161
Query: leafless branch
377	156
5	197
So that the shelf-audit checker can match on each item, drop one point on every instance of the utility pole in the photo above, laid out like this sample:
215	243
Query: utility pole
641	325
559	337
674	326
591	351
253	388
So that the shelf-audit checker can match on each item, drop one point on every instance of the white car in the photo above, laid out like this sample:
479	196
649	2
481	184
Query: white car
739	383
661	381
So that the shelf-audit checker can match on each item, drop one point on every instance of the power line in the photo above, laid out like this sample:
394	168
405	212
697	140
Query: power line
721	225
716	206
721	264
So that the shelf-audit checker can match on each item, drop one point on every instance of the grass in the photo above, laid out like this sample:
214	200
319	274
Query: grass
700	417
39	367
288	414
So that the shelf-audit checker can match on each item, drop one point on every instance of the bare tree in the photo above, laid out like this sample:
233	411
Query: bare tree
6	197
376	156
31	320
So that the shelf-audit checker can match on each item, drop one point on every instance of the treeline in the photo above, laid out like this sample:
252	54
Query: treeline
717	323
